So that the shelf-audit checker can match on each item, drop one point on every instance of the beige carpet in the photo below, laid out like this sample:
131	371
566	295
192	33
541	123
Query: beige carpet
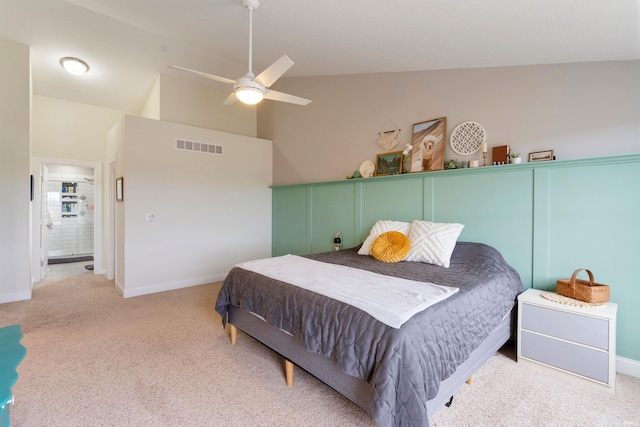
96	359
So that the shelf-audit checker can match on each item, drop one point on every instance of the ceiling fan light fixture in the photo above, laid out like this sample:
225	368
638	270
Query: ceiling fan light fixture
250	89
74	66
249	95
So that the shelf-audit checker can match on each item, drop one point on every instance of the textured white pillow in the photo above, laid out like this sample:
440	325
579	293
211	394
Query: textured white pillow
382	227
432	242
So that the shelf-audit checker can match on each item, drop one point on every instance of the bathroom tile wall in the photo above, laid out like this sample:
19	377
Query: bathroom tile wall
72	231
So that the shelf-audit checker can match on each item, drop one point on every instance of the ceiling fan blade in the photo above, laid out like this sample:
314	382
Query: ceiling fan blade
285	97
232	98
205	75
274	71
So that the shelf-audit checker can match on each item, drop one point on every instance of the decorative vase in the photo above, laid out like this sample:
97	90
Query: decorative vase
516	160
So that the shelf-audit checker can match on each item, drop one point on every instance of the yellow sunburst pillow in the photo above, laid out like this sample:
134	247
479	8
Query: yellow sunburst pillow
391	246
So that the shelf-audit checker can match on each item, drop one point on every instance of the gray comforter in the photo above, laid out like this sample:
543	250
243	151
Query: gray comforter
404	366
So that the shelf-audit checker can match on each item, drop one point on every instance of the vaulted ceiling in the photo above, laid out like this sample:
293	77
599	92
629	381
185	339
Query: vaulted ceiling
128	42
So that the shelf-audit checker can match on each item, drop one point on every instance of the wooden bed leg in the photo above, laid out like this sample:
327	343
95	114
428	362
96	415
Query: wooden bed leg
448	404
288	372
470	380
234	334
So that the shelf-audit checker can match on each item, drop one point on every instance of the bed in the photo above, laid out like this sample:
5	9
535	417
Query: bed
399	375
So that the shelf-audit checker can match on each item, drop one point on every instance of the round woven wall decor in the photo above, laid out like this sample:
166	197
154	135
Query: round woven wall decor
467	138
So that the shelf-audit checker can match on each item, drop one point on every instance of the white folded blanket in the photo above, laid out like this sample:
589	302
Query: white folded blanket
391	300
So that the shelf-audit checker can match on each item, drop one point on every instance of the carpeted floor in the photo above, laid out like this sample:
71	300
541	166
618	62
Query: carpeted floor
96	359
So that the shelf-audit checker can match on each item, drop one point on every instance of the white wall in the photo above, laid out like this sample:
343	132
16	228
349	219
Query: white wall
70	130
151	109
210	211
15	210
65	130
578	110
114	151
191	101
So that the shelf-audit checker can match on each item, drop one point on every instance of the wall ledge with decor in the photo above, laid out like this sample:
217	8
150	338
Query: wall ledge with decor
546	218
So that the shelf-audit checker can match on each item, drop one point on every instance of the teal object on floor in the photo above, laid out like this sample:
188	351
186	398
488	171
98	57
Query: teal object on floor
11	354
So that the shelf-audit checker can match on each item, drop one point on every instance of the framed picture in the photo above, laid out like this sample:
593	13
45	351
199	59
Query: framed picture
428	140
119	189
389	163
541	156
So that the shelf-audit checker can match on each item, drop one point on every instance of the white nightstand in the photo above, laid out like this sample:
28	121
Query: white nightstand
576	340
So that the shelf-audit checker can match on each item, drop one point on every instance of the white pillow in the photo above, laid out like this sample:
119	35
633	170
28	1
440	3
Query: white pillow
432	242
382	227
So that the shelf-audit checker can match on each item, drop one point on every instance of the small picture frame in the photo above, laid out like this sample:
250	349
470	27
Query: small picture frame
389	163
541	156
428	139
120	189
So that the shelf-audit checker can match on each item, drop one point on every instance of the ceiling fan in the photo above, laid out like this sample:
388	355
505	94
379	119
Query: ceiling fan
249	88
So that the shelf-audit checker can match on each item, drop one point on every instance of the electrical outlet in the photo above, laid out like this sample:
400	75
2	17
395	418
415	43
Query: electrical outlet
337	241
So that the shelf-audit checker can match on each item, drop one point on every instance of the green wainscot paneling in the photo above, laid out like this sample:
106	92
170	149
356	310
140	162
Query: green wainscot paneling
546	218
496	208
333	209
594	223
400	199
291	221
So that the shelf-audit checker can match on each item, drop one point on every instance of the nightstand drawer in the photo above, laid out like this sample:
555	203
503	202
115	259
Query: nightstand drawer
586	330
580	360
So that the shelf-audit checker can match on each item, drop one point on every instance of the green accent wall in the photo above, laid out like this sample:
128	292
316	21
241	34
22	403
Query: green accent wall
546	218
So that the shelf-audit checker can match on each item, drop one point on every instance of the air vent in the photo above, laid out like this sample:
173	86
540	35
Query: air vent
200	147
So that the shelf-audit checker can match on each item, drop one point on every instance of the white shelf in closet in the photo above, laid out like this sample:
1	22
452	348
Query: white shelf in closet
69	200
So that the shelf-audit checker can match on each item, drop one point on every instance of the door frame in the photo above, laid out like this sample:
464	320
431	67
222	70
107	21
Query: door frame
43	243
110	211
36	163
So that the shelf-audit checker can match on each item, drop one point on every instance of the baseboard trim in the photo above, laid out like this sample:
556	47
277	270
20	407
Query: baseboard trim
628	366
170	286
14	297
119	287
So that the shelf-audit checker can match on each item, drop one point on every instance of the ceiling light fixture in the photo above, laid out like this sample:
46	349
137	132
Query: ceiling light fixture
249	95
74	65
248	91
251	89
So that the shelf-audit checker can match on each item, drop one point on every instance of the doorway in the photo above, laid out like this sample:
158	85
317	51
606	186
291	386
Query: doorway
69	204
67	220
